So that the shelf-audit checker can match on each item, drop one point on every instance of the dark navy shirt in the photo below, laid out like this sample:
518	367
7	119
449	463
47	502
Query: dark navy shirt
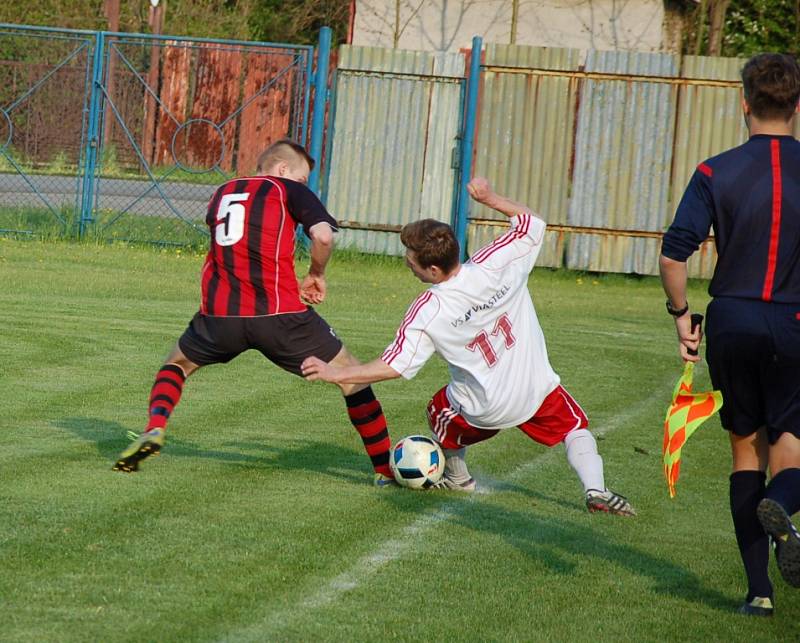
750	196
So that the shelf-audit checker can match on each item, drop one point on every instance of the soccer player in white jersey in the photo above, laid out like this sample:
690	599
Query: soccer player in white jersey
480	318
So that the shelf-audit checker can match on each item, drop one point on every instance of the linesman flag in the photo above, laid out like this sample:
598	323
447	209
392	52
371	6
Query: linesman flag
687	412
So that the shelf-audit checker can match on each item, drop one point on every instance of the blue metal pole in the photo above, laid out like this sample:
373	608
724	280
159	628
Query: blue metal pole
331	136
468	143
93	141
320	101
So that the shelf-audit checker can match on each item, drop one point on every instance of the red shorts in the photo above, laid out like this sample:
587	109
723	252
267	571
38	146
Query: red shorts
558	415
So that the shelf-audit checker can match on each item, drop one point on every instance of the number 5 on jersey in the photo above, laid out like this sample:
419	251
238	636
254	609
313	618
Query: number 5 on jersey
482	343
230	219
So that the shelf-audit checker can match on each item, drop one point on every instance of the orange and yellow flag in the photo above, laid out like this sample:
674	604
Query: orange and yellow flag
687	412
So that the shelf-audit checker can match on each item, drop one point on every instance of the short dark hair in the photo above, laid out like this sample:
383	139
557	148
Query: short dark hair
433	242
772	86
283	150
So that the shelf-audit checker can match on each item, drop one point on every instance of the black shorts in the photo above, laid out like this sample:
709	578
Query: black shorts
285	339
753	353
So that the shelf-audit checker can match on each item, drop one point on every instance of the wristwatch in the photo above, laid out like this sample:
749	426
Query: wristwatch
677	312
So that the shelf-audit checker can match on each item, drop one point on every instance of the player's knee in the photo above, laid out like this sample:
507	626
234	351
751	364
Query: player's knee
187	366
350	389
345	358
784	454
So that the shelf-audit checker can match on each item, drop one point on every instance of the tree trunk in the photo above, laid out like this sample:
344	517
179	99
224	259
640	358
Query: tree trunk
514	19
396	35
701	27
717	12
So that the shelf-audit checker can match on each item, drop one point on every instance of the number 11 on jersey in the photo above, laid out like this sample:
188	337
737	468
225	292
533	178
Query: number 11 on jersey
484	345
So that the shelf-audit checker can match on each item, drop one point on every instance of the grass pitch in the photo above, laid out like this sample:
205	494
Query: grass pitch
259	523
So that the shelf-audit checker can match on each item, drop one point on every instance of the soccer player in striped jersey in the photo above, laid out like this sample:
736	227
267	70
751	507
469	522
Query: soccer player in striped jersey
480	318
251	299
750	196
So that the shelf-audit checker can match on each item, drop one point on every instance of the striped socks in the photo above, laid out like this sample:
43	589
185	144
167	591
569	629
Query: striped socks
367	417
165	395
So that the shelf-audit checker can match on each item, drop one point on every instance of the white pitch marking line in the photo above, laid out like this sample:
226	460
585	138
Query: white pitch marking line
395	548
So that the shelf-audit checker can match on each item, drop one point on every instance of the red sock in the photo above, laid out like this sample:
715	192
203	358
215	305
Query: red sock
165	395
367	417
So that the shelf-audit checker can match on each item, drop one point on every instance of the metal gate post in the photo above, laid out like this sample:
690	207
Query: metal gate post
467	144
320	102
92	142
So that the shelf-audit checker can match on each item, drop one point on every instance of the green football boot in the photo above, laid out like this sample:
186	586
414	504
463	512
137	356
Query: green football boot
147	444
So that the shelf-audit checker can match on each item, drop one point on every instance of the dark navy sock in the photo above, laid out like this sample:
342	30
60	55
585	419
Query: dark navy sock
784	489
746	491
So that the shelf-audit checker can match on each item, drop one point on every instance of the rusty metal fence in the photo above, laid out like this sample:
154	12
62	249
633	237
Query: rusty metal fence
125	136
615	149
395	121
602	144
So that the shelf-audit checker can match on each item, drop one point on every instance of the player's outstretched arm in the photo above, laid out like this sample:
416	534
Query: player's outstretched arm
480	190
377	370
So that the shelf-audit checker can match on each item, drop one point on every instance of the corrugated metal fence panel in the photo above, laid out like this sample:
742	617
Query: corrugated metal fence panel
709	117
709	121
396	124
525	137
439	186
622	162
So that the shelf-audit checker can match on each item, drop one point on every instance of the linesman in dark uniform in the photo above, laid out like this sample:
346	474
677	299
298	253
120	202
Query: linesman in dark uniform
750	196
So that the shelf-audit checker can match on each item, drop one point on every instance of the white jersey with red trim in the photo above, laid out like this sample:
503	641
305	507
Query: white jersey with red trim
483	323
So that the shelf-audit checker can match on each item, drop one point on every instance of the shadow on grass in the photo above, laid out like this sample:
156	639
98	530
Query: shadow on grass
554	541
547	538
535	496
316	456
558	543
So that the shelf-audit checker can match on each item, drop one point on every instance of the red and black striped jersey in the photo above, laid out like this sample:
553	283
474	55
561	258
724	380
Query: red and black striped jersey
249	270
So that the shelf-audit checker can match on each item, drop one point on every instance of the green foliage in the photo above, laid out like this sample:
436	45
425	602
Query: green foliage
74	14
60	164
107	225
108	163
750	27
258	521
269	20
300	21
756	26
11	158
69	14
209	18
38	222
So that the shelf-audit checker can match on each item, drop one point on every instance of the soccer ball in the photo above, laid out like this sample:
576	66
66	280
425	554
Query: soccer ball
417	462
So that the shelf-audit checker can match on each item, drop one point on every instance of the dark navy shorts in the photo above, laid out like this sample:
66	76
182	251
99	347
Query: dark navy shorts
285	339
753	353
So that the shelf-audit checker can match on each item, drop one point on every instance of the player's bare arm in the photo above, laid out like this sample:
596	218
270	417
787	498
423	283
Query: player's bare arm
315	369
480	190
674	276
313	287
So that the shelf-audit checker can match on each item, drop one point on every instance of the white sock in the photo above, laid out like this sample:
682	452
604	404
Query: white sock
583	457
455	467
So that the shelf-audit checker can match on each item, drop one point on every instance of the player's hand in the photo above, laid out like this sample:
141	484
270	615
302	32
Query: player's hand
313	369
313	289
479	189
688	339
